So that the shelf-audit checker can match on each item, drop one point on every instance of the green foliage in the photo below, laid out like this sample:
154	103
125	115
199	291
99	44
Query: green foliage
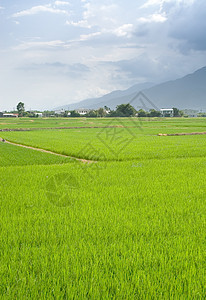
21	109
154	113
91	114
130	232
11	155
202	115
109	229
142	113
101	112
138	140
177	112
125	110
74	114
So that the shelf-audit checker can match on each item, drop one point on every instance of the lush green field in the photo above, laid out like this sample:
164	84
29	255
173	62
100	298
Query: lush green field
112	143
130	229
187	125
16	156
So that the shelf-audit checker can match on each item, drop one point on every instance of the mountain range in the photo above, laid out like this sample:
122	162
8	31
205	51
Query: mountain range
188	92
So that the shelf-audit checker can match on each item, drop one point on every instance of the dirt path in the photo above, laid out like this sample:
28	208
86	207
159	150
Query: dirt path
50	152
55	128
180	134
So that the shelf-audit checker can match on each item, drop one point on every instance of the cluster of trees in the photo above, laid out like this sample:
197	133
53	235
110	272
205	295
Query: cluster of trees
177	112
122	110
101	112
155	113
127	110
202	114
152	113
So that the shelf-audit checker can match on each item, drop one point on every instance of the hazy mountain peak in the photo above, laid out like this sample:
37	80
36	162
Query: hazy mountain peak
186	92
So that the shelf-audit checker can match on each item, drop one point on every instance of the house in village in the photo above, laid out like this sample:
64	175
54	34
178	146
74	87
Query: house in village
82	111
59	112
10	115
38	114
167	112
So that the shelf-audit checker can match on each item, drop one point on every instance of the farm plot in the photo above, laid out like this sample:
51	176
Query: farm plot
15	156
129	226
111	144
155	125
132	230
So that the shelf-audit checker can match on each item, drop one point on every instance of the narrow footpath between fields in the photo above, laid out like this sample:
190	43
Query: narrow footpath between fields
47	151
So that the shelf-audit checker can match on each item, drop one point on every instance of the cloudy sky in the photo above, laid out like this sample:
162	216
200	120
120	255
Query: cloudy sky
58	52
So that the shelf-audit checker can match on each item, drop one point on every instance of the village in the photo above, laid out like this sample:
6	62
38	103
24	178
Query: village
105	112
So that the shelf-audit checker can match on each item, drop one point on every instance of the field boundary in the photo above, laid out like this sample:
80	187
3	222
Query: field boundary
181	134
48	151
55	128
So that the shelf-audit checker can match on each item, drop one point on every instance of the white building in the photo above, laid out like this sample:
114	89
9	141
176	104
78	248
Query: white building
40	115
167	112
10	115
60	111
82	111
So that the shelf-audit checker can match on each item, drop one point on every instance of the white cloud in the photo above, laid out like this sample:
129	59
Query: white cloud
38	9
85	37
152	3
28	45
155	18
162	2
82	24
124	30
61	3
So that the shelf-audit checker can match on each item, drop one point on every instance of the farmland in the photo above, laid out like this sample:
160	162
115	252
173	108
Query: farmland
15	156
130	225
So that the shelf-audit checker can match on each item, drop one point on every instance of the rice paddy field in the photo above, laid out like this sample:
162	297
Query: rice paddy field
128	224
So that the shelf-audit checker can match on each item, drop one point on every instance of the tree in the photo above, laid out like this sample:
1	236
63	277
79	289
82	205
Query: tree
142	113
101	112
74	114
125	110
154	113
177	112
20	109
92	114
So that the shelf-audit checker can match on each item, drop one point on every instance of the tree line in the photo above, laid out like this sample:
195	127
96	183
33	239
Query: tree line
122	110
125	110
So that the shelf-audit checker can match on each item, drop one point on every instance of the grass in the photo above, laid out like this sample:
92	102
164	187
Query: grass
138	235
16	156
130	229
111	144
155	123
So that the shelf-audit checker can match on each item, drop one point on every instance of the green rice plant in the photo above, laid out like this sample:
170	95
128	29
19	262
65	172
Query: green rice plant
134	230
11	155
130	226
112	144
154	124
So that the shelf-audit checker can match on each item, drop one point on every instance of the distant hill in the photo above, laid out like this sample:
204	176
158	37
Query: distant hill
111	100
187	92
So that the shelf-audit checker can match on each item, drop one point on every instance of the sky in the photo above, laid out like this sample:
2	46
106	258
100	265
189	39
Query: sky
54	53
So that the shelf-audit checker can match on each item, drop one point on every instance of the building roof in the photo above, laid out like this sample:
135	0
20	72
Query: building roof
166	109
